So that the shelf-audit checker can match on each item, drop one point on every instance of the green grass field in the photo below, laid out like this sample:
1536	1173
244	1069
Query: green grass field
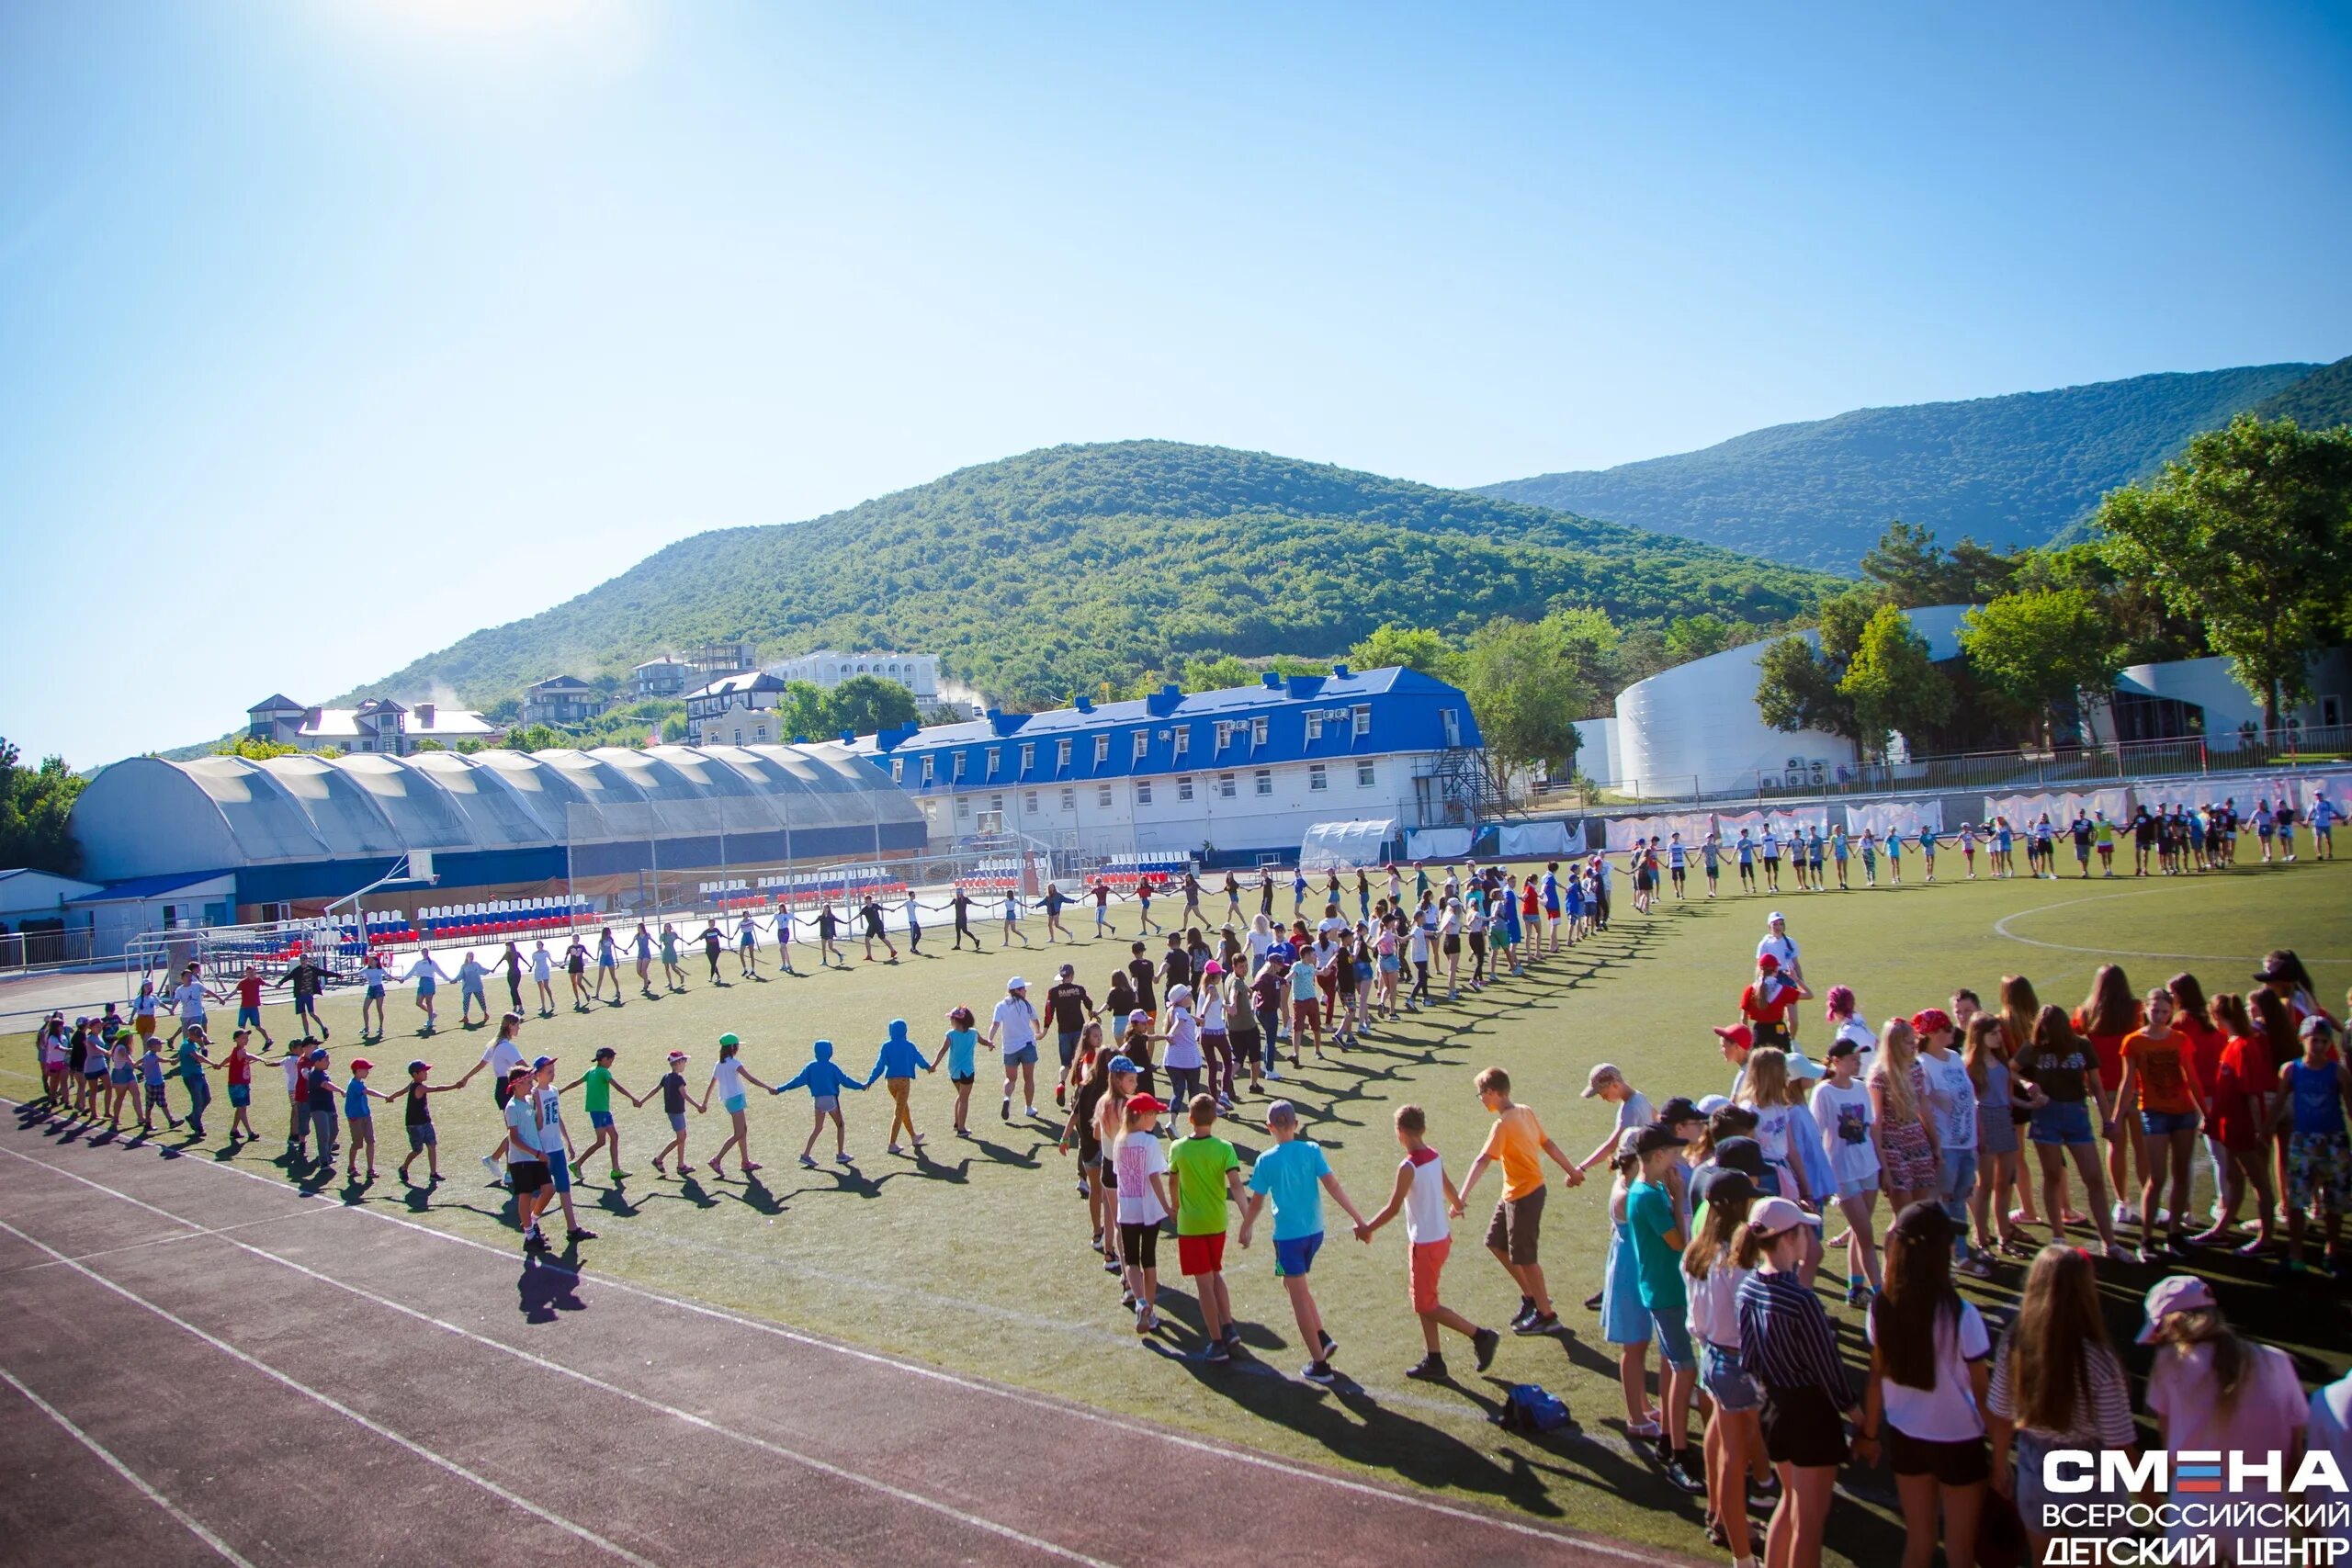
977	1258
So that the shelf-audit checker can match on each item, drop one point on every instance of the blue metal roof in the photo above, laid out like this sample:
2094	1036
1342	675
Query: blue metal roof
149	887
1404	712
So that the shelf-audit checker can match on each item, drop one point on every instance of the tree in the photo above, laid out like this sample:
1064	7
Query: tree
1893	682
253	749
2252	534
34	806
1799	686
1216	672
1696	637
804	710
1525	693
1589	640
1915	570
2044	650
1412	647
535	738
428	744
864	704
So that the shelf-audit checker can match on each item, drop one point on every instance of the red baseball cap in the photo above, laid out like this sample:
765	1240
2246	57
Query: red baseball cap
1142	1103
1767	964
1739	1034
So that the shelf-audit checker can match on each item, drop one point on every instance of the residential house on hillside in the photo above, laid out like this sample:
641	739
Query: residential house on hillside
711	660
735	710
918	673
561	699
663	677
379	725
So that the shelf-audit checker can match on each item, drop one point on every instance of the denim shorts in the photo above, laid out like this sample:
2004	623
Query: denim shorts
1673	1339
1024	1056
2164	1123
2061	1122
734	1103
1731	1388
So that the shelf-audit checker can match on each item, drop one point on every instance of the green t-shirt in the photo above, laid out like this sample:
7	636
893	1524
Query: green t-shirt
1649	1215
596	1090
1200	1165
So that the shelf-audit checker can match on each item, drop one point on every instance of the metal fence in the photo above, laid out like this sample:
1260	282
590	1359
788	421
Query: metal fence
56	948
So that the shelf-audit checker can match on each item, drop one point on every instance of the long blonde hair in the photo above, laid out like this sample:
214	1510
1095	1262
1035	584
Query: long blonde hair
1898	1052
1767	1082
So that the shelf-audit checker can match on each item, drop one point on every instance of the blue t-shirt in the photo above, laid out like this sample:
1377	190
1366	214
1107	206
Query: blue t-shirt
1290	1175
354	1099
962	1046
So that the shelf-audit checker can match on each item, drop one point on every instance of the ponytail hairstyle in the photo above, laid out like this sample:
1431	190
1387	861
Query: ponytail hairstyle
2277	1023
2233	1359
2227	1013
2019	1007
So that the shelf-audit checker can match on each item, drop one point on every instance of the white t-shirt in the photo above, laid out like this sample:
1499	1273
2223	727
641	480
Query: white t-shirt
1416	945
1183	1040
1016	1023
293	1064
1713	1314
729	1071
1259	943
1140	1157
1330	924
2331	1421
503	1058
542	965
521	1131
1946	1413
1844	1117
1783	948
1865	1044
551	1120
189	999
1425	1216
1951	1099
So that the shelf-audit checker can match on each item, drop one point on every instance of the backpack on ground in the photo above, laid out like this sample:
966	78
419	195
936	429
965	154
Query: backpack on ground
1529	1407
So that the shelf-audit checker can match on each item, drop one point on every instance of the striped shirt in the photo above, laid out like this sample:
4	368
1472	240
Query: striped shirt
1785	1340
2103	1420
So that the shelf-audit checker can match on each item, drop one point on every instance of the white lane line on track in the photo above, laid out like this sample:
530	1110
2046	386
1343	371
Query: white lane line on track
440	1462
190	1234
1593	1544
838	1472
2001	928
195	1526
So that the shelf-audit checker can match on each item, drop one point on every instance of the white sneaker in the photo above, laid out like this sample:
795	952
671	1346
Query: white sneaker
490	1163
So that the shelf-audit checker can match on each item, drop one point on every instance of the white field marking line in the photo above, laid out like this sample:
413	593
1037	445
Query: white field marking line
194	1525
1594	1544
419	1449
822	1466
166	1240
2001	927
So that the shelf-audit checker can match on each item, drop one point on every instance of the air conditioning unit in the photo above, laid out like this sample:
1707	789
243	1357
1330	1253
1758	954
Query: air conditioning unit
1768	781
1795	765
1821	770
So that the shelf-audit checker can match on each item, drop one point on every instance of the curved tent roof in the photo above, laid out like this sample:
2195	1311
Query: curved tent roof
147	816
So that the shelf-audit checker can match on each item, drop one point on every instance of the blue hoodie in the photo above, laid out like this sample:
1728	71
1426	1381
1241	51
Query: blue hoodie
820	1077
900	1059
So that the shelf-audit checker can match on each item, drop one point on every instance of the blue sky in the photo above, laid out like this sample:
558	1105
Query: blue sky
331	329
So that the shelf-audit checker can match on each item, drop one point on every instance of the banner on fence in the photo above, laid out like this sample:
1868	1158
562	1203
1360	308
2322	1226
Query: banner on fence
1531	840
2163	795
1694	827
1908	817
1437	843
2061	806
2336	786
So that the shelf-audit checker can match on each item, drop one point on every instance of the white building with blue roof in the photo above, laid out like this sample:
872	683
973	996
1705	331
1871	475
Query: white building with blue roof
1235	772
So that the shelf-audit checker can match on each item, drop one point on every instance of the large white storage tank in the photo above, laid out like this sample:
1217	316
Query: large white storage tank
1695	729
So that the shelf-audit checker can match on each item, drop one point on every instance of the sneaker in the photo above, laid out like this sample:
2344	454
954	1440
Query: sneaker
490	1163
808	1162
1330	1345
1542	1323
1429	1369
1483	1345
1591	1302
1032	1112
1218	1355
1685	1475
1004	1108
1319	1372
579	1233
1977	1266
1526	1310
843	1158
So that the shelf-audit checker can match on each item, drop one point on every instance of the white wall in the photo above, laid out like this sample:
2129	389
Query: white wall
1695	727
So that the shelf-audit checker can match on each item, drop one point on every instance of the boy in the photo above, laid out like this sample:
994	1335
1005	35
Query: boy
239	1066
598	1100
1607	1084
249	987
1290	1174
1208	1175
527	1170
1654	1220
416	1116
1516	1141
1423	1192
190	1062
318	1098
362	1117
674	1105
555	1143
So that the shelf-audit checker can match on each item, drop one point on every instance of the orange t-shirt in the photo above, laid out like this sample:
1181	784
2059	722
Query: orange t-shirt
1516	1145
2166	1077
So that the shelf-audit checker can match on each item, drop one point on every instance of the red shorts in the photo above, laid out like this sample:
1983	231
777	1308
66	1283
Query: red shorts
1303	1015
1200	1254
1427	1263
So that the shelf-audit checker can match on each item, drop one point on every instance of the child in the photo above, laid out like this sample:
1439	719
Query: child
825	1081
1142	1165
1517	1140
1183	1059
2312	1092
190	1064
1931	1363
1787	1346
318	1097
427	975
2210	1389
1422	1194
362	1117
729	1076
1841	1109
1290	1174
960	1049
1607	1084
240	1068
151	1068
1207	1176
1735	1441
597	1099
416	1117
674	1100
897	1066
1654	1224
555	1140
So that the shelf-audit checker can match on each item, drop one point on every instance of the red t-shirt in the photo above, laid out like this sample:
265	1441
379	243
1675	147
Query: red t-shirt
249	991
1752	1005
239	1065
2205	1043
2109	1047
2245	1072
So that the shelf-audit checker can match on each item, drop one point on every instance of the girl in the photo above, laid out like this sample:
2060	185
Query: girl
642	947
895	1065
598	1102
1764	1088
1624	1320
2159	1085
1845	1019
1842	1109
1217	1038
1929	1365
543	976
2240	1100
122	1080
960	1046
575	965
1449	933
1089	1069
1135	1046
674	1100
1870	858
1183	1057
729	1076
608	965
1110	1124
1142	1165
1473	927
2019	1007
1389	968
674	974
1787	1345
1986	1057
1304	1017
1711	1279
1242	1030
1909	1163
2312	1090
1894	857
2210	1389
51	1046
2056	1384
371	995
2063	1073
2108	1015
2191	1018
1346	996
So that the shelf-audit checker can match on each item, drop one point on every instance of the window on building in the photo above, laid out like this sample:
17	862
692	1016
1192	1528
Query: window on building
1364	719
956	771
1264	779
1225	786
1315	724
1224	734
1143	792
996	805
1069	800
1143	743
1364	779
963	806
1028	758
996	759
926	772
1452	719
1061	753
1103	797
898	769
1257	730
1029	802
1183	738
1317	777
1101	749
1184	786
